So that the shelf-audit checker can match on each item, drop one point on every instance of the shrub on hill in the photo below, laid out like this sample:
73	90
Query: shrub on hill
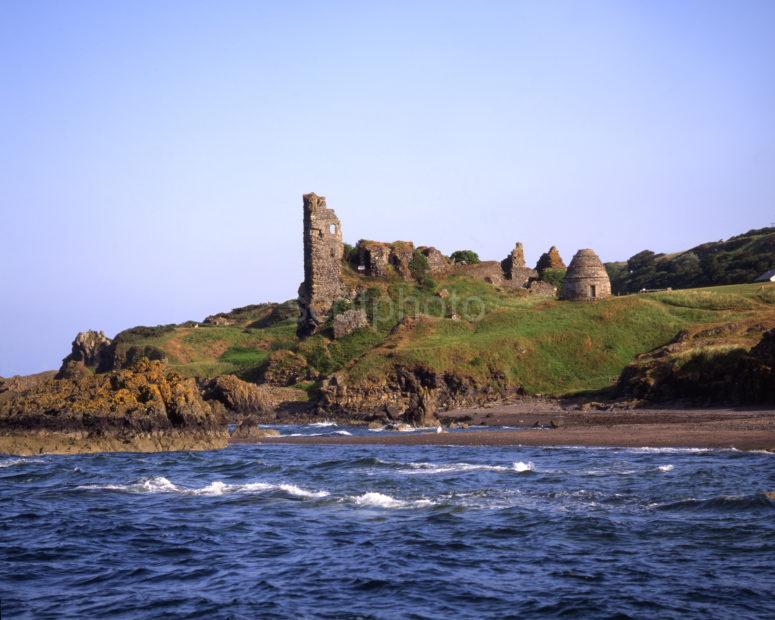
467	257
555	277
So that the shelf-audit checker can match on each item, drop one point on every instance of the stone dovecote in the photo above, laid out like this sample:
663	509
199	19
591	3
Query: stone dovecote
586	278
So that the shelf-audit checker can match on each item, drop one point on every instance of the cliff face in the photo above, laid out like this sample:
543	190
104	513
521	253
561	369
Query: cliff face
146	407
412	395
711	366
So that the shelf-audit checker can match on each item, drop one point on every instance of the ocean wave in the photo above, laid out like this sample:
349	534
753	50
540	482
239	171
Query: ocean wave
323	424
380	500
345	433
420	468
160	484
447	468
21	461
607	471
665	468
725	503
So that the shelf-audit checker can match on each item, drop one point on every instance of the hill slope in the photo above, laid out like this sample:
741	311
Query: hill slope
466	342
737	260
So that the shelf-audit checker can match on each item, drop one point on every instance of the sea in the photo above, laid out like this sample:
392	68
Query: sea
345	531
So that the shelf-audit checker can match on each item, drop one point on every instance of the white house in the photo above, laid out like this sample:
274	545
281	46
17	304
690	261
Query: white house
768	276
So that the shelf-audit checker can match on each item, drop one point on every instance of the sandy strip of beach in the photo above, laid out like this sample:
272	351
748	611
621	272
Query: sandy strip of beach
743	430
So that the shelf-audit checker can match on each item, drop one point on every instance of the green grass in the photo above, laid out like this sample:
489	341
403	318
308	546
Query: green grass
558	347
545	345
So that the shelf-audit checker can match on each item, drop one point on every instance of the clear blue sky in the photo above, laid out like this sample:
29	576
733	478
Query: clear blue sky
153	154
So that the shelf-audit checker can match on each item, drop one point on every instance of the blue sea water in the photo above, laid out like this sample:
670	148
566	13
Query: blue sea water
389	532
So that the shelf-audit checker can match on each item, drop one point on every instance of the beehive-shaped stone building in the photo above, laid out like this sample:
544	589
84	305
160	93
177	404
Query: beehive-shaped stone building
586	278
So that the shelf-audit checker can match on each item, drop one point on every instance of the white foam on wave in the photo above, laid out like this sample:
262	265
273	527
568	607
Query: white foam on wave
380	500
292	489
15	462
609	471
323	424
216	488
421	468
648	450
447	468
665	468
342	433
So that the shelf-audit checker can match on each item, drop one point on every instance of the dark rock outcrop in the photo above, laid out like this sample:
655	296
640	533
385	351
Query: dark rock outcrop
239	398
147	407
248	431
695	369
236	395
90	349
284	368
410	395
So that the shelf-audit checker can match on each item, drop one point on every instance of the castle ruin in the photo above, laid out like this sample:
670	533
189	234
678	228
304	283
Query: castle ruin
323	253
586	278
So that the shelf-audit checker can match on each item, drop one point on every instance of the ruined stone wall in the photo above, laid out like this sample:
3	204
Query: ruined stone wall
437	262
550	260
514	267
323	252
379	260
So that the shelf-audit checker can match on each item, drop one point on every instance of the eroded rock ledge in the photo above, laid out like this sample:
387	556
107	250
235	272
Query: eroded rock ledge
145	408
412	395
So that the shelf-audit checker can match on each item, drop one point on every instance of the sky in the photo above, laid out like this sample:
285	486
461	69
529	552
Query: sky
153	155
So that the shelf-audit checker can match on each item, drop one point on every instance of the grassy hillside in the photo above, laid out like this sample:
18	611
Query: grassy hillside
208	350
466	326
559	347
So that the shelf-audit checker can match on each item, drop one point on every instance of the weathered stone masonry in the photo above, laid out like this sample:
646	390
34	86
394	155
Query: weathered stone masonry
323	252
586	278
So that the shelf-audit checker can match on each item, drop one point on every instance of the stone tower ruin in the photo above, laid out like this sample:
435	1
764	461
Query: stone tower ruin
323	252
514	267
586	278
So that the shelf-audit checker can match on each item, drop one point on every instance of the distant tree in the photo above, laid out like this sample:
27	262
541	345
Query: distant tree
350	254
617	273
467	257
684	271
641	260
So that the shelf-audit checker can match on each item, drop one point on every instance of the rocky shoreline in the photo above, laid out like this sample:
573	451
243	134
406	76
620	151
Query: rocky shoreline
146	407
96	404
